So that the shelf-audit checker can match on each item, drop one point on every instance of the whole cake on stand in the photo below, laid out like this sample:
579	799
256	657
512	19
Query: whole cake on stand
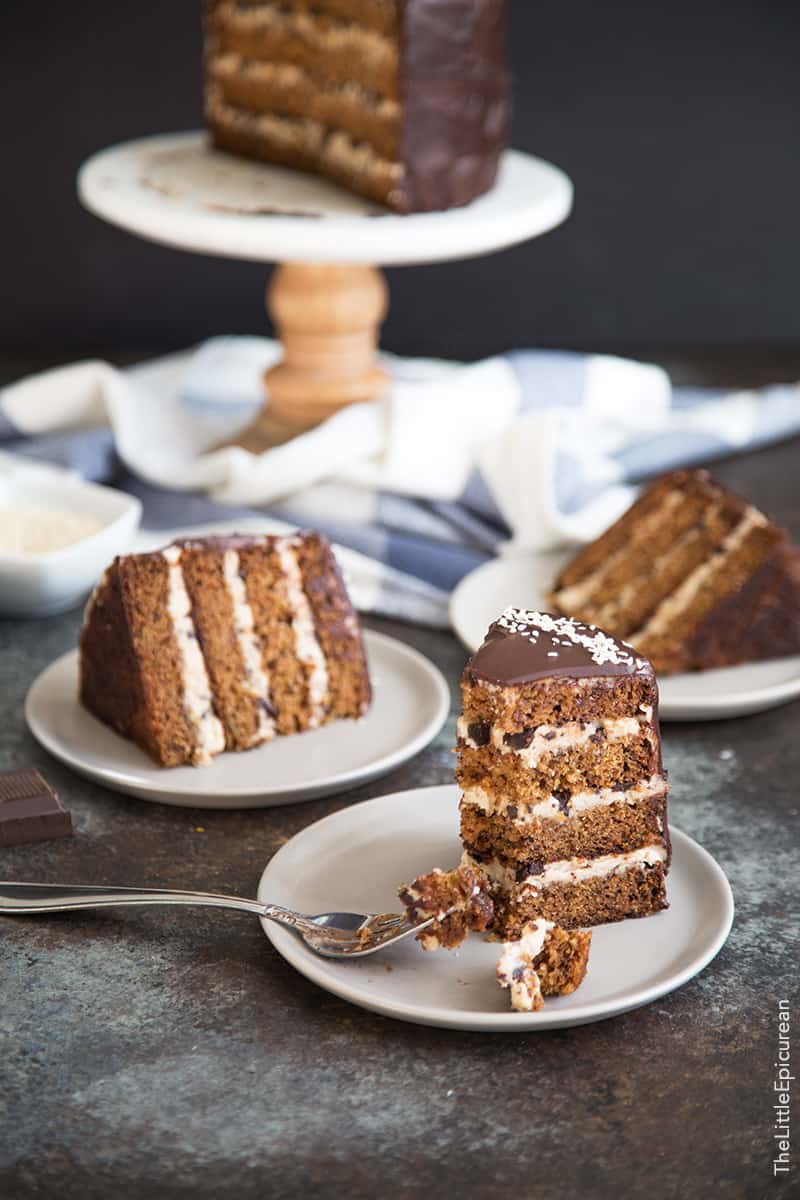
406	102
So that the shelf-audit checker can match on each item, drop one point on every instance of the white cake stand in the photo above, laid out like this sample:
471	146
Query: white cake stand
328	299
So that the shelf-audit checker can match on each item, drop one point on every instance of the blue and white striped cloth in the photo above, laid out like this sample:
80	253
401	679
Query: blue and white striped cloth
457	463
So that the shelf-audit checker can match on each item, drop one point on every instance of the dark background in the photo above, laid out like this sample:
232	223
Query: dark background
678	124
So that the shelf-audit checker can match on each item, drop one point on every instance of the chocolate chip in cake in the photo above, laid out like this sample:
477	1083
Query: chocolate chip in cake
512	811
521	740
534	866
562	797
479	733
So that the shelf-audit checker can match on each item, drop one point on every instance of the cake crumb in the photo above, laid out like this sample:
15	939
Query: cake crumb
545	961
459	901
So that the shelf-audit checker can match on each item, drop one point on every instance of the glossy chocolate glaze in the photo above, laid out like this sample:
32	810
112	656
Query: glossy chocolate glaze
456	96
516	652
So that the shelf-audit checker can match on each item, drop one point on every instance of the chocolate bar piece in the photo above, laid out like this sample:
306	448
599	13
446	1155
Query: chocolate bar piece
30	811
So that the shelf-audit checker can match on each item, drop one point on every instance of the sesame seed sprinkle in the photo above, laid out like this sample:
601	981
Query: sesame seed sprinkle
566	631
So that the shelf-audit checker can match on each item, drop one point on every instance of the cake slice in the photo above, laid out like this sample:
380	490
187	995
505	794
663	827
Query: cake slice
544	961
221	644
692	576
564	803
406	102
459	900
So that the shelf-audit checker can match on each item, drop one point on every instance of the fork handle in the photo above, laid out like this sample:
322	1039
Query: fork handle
27	898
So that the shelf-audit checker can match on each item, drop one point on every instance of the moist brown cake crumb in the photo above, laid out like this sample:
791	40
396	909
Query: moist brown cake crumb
635	893
609	829
464	890
562	964
543	961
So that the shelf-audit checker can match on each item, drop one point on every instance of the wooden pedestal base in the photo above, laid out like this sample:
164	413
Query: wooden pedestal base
328	318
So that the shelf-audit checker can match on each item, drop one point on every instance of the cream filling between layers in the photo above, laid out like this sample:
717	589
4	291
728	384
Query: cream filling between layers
334	149
231	65
568	870
198	702
515	968
681	598
307	645
577	594
494	805
305	31
249	647
555	739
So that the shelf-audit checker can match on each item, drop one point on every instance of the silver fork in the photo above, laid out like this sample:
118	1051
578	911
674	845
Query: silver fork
333	934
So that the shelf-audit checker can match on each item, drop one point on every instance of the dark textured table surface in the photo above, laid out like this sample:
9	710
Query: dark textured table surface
173	1053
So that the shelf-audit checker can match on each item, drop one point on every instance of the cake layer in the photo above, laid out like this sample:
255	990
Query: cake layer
290	91
577	892
633	893
551	702
739	555
605	829
649	532
112	684
760	620
335	50
384	16
607	763
625	604
237	686
304	144
335	626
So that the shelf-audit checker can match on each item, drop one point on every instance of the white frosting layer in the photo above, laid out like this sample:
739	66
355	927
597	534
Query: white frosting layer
555	739
515	967
578	802
249	647
198	703
307	646
569	870
682	597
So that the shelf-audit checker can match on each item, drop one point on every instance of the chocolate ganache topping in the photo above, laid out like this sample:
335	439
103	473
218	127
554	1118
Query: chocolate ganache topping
523	645
456	97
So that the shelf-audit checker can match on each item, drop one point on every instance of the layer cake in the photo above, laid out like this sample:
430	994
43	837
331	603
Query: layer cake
564	803
406	102
692	576
221	644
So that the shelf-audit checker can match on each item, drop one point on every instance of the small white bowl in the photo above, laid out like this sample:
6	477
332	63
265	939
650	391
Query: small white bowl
40	584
